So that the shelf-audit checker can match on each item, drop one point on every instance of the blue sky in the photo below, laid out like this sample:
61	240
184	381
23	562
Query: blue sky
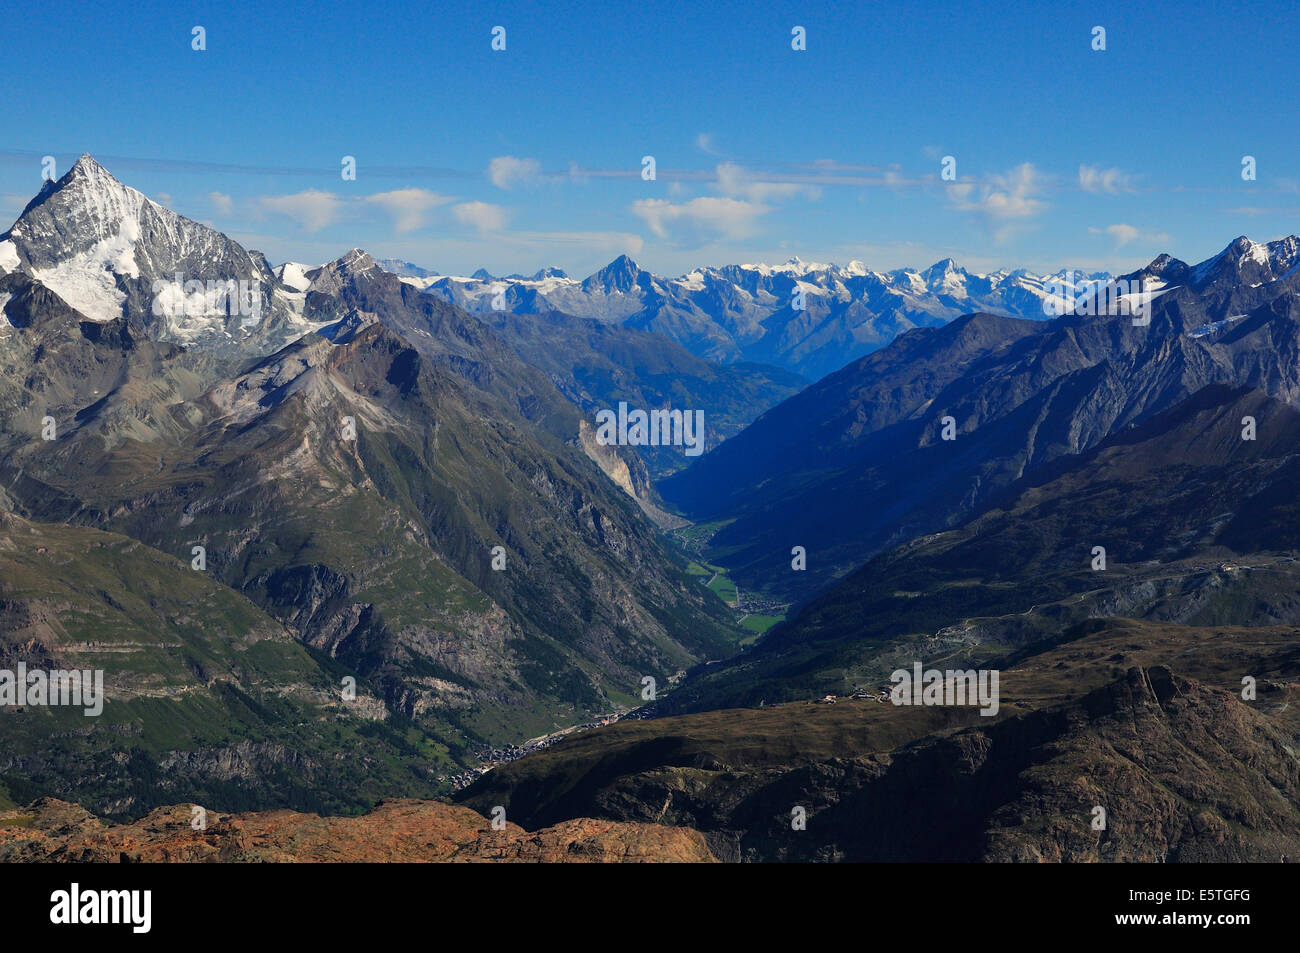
530	157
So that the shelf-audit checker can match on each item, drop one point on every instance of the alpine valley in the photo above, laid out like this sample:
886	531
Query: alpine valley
347	534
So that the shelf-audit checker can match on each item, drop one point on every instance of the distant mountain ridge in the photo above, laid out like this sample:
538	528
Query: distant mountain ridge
748	312
1020	393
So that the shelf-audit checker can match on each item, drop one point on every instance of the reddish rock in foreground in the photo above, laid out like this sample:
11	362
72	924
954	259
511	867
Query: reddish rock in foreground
401	830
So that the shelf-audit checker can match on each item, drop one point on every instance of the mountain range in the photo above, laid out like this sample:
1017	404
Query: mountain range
1110	524
366	473
345	531
749	312
856	463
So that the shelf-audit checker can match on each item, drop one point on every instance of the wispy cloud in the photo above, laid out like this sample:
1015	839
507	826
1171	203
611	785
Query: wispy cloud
311	210
1123	234
733	218
737	181
484	216
506	172
119	164
704	142
1006	202
1127	234
1109	181
409	208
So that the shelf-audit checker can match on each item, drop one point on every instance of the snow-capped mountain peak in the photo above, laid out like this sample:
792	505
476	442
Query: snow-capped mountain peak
109	252
1254	263
104	248
621	275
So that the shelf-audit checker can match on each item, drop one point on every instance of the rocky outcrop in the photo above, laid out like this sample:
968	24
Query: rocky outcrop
402	830
628	472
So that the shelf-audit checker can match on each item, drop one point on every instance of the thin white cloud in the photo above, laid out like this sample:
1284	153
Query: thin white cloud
1126	234
1123	234
508	171
221	202
311	210
1110	181
409	207
722	215
482	215
1006	202
704	142
737	181
1009	196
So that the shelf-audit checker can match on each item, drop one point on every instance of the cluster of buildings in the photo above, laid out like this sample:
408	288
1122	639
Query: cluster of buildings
491	757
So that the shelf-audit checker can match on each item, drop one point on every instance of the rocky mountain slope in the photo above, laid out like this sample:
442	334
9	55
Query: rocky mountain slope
401	494
236	519
1157	685
1172	502
860	461
207	695
401	831
1143	720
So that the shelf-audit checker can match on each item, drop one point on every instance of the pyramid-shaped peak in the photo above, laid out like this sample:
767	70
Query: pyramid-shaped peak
946	276
102	246
87	173
621	274
944	266
71	214
1168	268
1240	247
86	164
623	263
357	259
86	179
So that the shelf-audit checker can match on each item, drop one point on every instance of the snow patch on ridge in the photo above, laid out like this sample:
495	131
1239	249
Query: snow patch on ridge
294	275
87	282
1214	327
